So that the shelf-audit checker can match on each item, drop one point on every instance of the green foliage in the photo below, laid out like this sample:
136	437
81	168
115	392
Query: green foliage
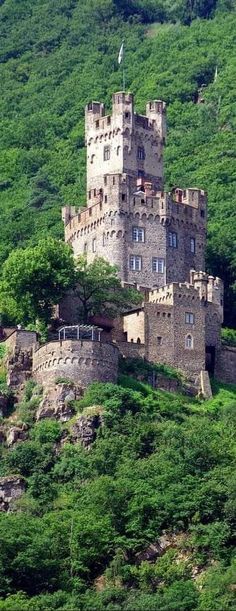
143	369
159	462
34	279
99	290
228	336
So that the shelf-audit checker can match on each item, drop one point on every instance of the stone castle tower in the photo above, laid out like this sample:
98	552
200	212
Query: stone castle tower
153	237
156	239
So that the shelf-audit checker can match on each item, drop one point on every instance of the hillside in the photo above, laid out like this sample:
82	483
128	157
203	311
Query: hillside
55	57
144	519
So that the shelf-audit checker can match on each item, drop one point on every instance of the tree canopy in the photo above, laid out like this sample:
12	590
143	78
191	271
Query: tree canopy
34	279
99	290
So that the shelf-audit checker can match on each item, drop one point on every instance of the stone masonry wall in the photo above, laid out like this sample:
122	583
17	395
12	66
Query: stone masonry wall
225	367
83	362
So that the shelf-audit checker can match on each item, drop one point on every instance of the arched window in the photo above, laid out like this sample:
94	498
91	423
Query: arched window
189	342
138	340
118	150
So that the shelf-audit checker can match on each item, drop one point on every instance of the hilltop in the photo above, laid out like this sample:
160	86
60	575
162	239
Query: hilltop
54	58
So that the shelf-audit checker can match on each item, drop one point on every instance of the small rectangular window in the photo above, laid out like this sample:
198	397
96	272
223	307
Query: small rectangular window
158	265
189	318
89	194
141	153
108	120
123	197
135	263
203	214
105	180
105	199
97	124
173	240
94	245
159	340
106	153
94	192
138	234
85	247
192	245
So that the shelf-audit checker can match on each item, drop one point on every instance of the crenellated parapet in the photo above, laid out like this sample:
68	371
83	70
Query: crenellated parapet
82	361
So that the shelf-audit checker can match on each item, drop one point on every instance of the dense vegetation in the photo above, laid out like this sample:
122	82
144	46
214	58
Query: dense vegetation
55	57
161	462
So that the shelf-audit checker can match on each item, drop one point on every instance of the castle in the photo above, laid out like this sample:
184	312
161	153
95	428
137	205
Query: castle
157	240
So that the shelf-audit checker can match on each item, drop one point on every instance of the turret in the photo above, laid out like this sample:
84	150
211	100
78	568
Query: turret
156	111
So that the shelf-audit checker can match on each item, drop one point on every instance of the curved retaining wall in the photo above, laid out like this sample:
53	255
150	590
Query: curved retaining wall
82	362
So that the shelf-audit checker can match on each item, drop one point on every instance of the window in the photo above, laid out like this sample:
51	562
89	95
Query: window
189	342
114	180
89	194
127	115
104	239
106	153
158	265
173	242
105	199
203	214
140	174
94	245
97	124
94	192
159	340
189	318
108	120
138	234
123	197
118	150
135	263
105	180
192	245
141	153
85	247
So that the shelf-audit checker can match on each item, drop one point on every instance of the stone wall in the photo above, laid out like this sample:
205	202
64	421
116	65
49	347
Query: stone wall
134	326
131	350
225	366
83	362
25	340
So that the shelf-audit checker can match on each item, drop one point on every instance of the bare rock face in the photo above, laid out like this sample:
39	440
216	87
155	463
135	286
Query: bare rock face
3	405
11	488
2	434
19	367
157	549
15	434
85	429
56	402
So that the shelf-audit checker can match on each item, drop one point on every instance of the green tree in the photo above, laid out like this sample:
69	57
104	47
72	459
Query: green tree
34	279
100	291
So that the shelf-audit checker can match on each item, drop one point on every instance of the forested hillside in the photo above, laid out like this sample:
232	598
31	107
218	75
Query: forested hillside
56	56
143	520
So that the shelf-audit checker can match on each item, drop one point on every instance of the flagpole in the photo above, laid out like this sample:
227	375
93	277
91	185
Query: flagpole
121	61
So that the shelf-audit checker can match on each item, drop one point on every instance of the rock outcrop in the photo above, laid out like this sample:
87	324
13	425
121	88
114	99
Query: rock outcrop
56	402
85	429
158	548
4	401
15	434
11	488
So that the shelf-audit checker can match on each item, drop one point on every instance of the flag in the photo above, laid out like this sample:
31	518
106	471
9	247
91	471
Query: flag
121	54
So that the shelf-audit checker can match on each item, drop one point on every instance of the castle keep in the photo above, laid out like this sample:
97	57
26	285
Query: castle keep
156	239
